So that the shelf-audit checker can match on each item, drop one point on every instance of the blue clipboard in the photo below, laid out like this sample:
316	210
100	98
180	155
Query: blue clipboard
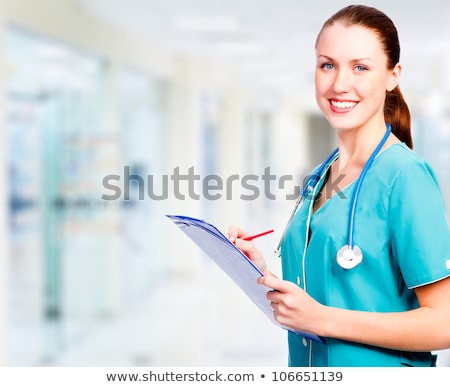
233	262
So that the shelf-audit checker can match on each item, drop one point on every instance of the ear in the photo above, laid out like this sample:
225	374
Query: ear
394	77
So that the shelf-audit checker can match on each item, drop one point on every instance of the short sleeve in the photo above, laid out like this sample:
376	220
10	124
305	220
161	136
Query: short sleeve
418	226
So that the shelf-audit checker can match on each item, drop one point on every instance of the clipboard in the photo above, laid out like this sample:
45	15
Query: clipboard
233	262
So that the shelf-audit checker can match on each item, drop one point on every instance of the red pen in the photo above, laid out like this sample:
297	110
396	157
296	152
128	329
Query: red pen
249	238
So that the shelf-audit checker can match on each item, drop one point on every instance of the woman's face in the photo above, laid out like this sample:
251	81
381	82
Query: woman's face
352	76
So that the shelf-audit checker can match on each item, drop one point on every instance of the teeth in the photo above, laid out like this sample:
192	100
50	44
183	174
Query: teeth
343	104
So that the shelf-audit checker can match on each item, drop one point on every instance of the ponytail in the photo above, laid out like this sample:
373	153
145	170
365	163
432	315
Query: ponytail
396	112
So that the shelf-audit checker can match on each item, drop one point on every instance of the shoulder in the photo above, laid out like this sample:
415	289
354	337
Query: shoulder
398	162
400	156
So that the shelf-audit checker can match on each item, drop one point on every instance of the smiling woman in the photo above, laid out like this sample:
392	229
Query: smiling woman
368	300
352	77
358	52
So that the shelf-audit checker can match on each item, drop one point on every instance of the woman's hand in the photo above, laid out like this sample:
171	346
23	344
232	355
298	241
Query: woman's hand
292	306
236	235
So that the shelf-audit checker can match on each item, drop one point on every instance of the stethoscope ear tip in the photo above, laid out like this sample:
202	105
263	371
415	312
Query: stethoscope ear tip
349	257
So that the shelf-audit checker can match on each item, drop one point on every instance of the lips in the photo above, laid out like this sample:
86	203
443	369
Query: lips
342	106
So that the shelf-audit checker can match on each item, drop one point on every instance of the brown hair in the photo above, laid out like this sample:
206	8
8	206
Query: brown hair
396	110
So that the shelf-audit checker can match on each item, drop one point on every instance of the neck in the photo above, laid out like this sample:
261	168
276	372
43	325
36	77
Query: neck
356	145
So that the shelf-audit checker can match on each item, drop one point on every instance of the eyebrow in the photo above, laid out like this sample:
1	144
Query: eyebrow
353	60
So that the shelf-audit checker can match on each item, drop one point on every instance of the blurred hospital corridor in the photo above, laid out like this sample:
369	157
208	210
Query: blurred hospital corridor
116	113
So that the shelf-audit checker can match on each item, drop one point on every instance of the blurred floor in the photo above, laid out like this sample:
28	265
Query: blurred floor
186	321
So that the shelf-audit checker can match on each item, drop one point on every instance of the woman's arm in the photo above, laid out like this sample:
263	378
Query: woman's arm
423	329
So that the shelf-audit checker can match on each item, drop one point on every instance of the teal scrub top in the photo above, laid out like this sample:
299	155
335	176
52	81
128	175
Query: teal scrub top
401	227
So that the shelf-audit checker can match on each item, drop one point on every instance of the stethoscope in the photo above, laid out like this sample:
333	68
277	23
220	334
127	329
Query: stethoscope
349	255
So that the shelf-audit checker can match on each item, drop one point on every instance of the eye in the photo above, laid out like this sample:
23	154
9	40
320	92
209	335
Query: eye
328	66
360	68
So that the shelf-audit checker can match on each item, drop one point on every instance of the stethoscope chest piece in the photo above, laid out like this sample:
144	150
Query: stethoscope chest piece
349	257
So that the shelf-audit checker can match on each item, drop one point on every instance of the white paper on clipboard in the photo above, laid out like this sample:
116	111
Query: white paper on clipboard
233	262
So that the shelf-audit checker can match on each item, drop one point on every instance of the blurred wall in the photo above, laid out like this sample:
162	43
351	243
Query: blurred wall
201	96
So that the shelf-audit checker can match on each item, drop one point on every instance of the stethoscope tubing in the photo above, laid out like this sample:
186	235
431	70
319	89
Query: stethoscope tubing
315	178
352	215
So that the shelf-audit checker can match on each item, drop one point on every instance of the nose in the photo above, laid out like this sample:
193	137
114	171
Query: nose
341	82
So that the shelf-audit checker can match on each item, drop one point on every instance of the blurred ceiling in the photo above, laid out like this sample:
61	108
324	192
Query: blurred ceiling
270	43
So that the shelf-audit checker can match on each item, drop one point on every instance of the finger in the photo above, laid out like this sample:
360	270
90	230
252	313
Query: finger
274	306
266	273
274	296
263	279
273	282
243	245
276	311
234	232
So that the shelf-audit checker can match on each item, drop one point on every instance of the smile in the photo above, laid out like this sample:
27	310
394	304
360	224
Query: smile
342	106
